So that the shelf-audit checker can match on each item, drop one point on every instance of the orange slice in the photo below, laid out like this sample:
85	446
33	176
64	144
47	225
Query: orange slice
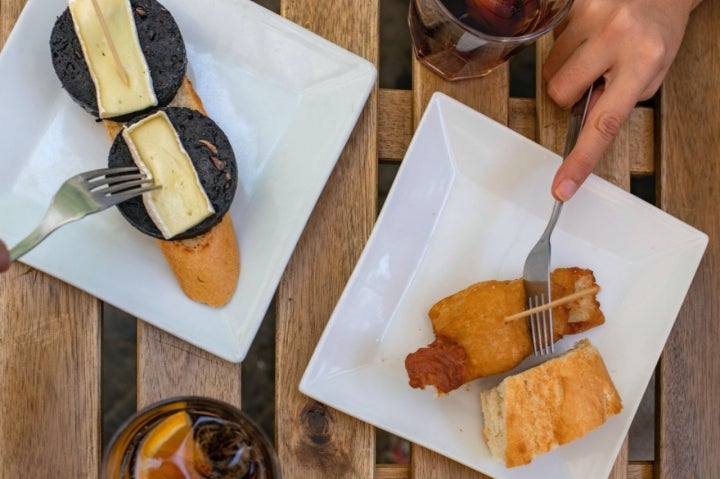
166	470
165	438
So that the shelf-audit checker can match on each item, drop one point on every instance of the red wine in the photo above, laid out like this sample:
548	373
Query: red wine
505	18
478	35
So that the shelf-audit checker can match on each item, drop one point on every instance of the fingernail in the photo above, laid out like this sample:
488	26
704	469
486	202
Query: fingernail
565	190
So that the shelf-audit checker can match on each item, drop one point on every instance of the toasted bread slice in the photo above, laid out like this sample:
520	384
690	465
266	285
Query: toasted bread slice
549	405
207	267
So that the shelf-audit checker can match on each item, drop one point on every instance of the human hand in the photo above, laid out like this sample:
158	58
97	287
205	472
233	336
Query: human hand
4	257
630	44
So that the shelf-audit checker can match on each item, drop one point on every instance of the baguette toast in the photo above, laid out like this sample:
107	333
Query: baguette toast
207	267
549	405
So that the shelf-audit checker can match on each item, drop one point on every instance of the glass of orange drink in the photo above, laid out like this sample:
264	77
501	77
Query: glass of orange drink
190	438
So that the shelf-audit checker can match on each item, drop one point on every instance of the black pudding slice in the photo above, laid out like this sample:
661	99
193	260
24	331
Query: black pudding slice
160	40
214	161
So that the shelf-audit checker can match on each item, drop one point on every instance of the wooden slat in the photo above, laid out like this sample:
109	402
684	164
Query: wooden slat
640	470
552	121
426	463
635	470
49	365
488	94
641	133
168	366
688	378
395	128
620	468
395	125
49	377
9	12
523	116
315	440
392	471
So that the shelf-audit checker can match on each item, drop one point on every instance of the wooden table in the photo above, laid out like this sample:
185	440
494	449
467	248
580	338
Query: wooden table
50	348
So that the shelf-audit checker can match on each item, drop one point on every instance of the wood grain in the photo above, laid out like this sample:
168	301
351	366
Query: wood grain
395	126
635	470
50	377
689	380
9	12
552	121
425	463
522	117
392	471
641	136
489	94
315	440
168	367
620	468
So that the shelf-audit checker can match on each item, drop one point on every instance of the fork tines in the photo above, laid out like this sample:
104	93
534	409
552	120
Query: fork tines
99	174
541	327
118	182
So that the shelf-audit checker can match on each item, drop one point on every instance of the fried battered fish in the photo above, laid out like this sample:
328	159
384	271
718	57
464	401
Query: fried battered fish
473	340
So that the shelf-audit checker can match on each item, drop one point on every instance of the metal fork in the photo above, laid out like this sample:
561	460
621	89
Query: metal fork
536	272
82	195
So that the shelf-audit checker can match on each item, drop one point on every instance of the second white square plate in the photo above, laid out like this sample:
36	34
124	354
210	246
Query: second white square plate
470	200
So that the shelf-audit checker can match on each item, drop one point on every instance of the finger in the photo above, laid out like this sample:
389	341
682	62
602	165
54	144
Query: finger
560	27
603	124
564	45
582	68
4	257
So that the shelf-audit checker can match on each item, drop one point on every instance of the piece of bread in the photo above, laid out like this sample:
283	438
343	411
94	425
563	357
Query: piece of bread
551	404
473	339
207	267
207	263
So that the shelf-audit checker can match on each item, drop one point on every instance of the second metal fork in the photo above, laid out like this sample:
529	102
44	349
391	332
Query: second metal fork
84	194
536	272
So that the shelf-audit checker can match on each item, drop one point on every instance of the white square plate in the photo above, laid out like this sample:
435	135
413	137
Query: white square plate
469	201
287	100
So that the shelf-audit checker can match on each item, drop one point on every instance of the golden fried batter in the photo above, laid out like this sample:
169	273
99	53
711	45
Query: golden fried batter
473	340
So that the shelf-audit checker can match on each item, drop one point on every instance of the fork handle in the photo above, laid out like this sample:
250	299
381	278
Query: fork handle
577	119
48	224
557	208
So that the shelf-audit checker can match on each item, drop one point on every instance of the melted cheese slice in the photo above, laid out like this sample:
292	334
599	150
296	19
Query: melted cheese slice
117	93
181	203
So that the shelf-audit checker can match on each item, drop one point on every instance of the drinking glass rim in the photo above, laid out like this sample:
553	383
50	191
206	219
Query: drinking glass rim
505	39
189	400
